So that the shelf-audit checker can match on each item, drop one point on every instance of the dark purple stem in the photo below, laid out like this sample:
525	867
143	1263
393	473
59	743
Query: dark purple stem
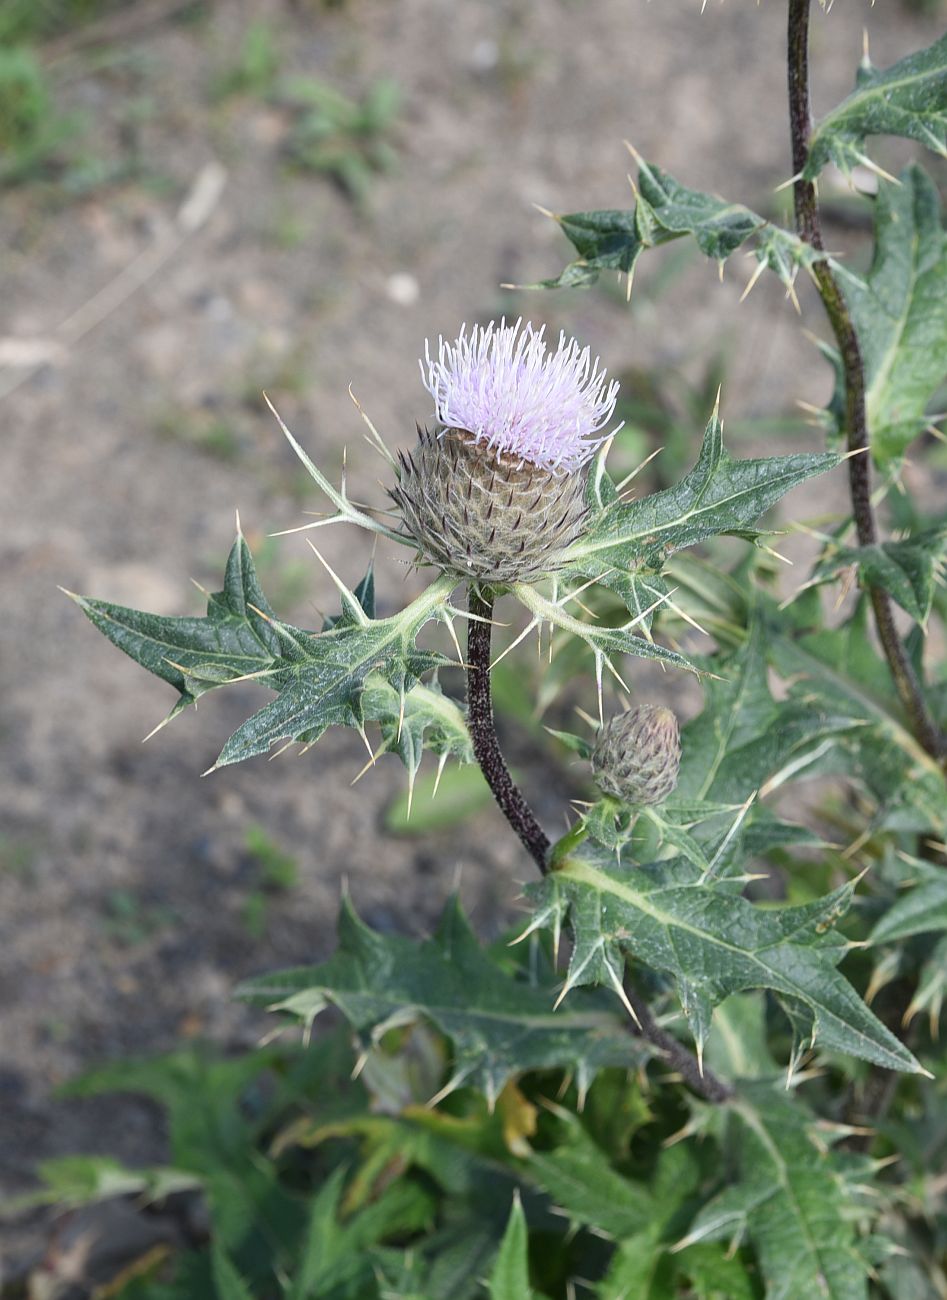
534	839
809	228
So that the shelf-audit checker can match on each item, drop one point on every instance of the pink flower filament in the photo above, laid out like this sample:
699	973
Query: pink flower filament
506	388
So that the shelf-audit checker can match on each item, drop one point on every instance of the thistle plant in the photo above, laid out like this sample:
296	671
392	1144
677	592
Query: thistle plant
701	1069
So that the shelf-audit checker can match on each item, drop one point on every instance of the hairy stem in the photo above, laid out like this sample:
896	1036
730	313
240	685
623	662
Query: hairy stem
534	839
483	734
808	225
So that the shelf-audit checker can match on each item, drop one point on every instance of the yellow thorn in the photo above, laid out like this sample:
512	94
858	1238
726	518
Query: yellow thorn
619	989
879	171
791	295
371	762
760	268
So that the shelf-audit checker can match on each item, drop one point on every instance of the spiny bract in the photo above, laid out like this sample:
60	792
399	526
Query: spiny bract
486	514
637	756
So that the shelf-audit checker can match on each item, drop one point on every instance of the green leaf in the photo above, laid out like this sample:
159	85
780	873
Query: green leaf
335	1247
906	570
509	1278
713	943
643	1266
737	1047
931	986
604	642
791	1199
584	1184
644	1269
719	495
228	1283
900	312
745	739
665	210
357	669
499	1026
908	99
839	669
921	910
423	718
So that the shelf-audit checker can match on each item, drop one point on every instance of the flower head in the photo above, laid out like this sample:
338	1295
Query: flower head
496	491
504	387
637	756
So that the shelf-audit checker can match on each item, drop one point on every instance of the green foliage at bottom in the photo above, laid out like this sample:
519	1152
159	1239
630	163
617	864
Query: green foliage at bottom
332	1171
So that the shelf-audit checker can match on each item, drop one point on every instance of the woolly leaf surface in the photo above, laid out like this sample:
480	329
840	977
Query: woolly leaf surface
713	943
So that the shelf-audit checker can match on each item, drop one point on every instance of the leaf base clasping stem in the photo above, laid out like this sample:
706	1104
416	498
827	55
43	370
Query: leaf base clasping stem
534	839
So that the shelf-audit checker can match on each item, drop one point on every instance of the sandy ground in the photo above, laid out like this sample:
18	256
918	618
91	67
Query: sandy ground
124	877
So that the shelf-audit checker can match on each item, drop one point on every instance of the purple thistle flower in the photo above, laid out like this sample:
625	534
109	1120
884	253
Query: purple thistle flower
506	389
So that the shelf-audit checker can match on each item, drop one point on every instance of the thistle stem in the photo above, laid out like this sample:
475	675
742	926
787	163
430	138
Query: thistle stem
809	228
534	839
483	734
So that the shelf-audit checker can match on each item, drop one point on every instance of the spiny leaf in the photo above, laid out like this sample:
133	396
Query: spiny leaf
336	1244
713	943
839	669
666	210
906	570
745	739
834	671
438	800
719	495
644	1269
791	1199
606	643
423	719
499	1027
931	985
907	99
238	637
642	1266
321	679
900	312
584	1184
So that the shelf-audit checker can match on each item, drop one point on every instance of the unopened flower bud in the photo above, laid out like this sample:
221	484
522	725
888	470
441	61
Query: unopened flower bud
497	490
637	756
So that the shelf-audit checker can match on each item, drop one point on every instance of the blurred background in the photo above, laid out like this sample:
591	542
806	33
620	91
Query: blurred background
200	201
